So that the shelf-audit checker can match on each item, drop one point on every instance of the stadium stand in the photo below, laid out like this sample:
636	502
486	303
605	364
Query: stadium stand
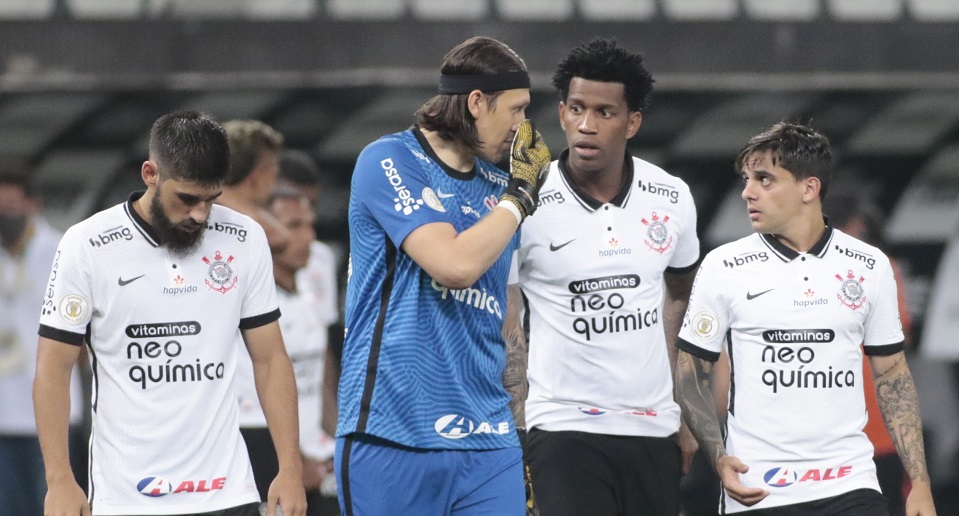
865	10
933	10
617	10
539	10
700	9
447	10
365	9
782	10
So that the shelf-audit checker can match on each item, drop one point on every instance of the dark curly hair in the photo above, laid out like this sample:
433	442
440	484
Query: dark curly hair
603	60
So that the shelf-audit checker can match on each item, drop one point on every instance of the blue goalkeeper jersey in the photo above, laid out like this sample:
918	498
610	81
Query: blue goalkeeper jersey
422	364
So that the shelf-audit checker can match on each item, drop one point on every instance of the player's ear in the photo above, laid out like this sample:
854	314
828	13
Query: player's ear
632	125
811	191
149	174
562	115
474	102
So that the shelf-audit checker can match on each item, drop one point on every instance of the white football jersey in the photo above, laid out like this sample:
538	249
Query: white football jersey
23	283
592	276
163	336
794	323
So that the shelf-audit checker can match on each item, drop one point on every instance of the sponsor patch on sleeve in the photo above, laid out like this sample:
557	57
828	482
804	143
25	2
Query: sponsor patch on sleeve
73	308
705	325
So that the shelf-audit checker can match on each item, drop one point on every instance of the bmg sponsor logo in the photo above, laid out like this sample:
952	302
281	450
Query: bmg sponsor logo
456	426
864	257
477	298
229	228
745	259
155	487
159	361
111	235
784	477
660	189
404	200
494	178
550	197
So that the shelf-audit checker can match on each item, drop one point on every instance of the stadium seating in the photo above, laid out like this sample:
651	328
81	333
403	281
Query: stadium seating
865	10
791	10
449	10
365	9
617	10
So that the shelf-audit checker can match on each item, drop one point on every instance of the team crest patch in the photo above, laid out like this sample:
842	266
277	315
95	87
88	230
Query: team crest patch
431	200
657	234
73	308
705	325
220	276
851	293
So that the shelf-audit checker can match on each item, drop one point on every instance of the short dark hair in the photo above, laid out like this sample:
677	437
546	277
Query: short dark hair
17	172
795	147
299	168
449	115
284	192
190	146
248	140
603	60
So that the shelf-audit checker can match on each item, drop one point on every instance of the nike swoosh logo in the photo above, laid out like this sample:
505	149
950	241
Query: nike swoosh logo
560	246
441	195
750	297
123	282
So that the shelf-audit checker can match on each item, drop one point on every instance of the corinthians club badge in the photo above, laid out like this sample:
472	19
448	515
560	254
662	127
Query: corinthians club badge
220	277
851	292
658	234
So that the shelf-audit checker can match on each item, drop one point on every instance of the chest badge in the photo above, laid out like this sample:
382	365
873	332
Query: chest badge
657	234
851	292
220	276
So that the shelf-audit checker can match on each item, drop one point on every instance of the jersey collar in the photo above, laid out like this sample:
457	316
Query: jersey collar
786	253
586	200
142	226
428	149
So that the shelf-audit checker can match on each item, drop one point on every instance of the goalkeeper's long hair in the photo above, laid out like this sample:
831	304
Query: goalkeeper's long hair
604	61
448	115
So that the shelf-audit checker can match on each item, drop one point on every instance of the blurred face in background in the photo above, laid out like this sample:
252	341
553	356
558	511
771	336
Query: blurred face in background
296	215
16	208
264	175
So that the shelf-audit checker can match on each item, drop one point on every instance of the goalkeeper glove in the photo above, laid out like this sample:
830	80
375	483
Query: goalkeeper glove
528	168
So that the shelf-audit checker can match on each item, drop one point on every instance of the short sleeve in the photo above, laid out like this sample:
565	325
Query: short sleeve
882	327
68	300
394	189
687	249
260	304
707	316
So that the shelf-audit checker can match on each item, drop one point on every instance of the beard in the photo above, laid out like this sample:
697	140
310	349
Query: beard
172	236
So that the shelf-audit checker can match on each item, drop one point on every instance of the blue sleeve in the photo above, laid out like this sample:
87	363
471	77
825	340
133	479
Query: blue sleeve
390	185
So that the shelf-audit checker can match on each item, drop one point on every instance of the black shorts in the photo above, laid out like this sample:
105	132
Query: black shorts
577	473
861	502
259	445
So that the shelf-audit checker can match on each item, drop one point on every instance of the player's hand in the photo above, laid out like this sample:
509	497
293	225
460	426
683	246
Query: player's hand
729	468
688	445
919	502
65	498
286	490
531	508
528	167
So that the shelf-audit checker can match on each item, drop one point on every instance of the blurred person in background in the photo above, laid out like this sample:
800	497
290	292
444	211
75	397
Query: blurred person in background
424	420
162	305
604	429
793	441
254	166
319	278
860	219
27	247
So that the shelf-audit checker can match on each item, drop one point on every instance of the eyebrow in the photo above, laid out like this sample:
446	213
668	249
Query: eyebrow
193	199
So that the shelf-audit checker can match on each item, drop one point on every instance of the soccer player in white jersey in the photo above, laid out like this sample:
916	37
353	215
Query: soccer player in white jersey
424	422
27	247
606	264
304	327
793	302
159	302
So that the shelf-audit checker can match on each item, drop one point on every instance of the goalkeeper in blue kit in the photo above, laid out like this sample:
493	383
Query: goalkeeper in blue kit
424	420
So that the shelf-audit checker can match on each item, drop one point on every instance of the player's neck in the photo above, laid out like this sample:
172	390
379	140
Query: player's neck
452	153
284	278
803	233
603	185
236	197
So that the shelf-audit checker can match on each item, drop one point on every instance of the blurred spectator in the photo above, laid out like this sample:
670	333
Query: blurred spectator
857	218
27	247
254	166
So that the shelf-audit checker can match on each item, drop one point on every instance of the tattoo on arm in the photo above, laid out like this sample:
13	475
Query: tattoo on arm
899	405
517	355
694	395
